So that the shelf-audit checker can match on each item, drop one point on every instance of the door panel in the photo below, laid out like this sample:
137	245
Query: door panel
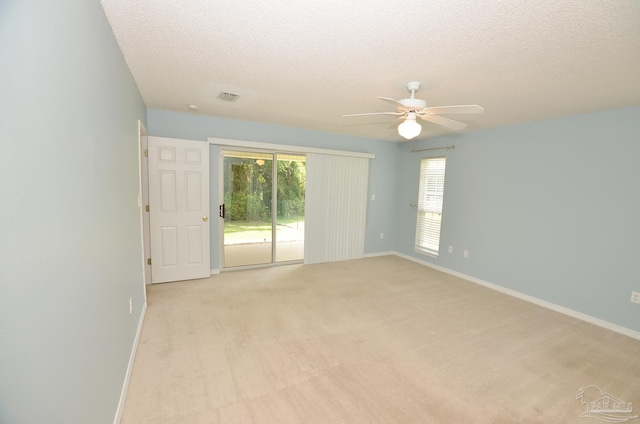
168	201
264	202
248	230
179	209
169	247
194	240
194	189
291	175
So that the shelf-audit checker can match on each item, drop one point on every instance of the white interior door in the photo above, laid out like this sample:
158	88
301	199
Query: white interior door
179	209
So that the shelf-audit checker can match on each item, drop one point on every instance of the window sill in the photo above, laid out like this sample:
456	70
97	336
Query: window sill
430	253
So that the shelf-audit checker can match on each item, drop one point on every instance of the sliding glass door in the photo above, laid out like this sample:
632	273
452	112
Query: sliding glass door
248	227
289	214
263	208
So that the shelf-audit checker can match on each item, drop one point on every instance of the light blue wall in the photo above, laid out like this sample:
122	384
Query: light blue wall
380	213
550	209
70	231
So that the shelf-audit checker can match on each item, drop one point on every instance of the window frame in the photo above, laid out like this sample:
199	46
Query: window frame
430	201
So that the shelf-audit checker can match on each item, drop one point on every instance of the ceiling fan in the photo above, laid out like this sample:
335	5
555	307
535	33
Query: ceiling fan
409	109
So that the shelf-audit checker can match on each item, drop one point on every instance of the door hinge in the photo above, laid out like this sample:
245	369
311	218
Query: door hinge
146	153
149	261
147	208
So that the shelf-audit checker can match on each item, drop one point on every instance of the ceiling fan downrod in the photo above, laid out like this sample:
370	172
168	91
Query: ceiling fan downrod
413	87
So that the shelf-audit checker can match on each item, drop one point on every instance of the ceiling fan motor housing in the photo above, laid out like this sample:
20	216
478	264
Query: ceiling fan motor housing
414	104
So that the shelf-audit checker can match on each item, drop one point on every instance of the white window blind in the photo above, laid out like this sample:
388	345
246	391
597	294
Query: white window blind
430	197
335	208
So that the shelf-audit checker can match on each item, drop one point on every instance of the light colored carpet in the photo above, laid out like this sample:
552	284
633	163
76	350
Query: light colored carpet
377	340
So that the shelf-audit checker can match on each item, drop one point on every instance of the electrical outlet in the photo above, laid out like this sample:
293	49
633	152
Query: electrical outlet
635	297
131	305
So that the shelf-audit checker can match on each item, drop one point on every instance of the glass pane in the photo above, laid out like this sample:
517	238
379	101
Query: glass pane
247	199
291	179
430	201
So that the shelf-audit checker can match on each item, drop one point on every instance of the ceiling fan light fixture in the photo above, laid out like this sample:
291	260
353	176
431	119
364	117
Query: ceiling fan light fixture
410	128
411	108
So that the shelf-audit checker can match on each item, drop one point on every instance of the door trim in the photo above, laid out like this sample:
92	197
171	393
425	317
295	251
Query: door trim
283	148
143	200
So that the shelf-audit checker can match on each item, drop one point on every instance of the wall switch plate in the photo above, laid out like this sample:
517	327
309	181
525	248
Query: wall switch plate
131	305
466	253
635	297
450	249
373	197
381	236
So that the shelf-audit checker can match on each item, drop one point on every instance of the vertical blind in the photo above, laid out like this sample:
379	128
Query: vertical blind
335	207
430	197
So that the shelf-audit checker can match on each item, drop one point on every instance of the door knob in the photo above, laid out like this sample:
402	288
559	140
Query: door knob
205	218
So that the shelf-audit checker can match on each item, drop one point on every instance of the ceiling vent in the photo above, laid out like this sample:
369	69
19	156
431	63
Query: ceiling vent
227	97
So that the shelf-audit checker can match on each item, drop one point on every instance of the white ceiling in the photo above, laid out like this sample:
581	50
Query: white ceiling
305	63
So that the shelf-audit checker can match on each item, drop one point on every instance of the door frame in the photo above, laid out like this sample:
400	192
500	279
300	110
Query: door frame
143	200
239	144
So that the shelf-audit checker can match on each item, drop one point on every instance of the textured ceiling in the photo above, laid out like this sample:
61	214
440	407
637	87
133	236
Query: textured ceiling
305	63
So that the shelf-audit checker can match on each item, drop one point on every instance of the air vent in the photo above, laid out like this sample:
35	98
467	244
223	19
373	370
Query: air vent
227	97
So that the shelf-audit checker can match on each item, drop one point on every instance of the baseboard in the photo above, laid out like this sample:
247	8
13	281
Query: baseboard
215	272
132	357
375	254
557	308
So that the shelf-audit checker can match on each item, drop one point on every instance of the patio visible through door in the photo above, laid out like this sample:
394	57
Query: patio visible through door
256	232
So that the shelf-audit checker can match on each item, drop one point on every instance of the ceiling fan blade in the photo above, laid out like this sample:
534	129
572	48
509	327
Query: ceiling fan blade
375	113
394	102
445	122
443	110
397	122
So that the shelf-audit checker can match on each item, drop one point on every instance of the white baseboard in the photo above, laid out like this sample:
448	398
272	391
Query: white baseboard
132	357
215	272
375	254
566	311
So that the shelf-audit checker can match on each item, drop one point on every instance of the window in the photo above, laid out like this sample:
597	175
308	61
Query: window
430	195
